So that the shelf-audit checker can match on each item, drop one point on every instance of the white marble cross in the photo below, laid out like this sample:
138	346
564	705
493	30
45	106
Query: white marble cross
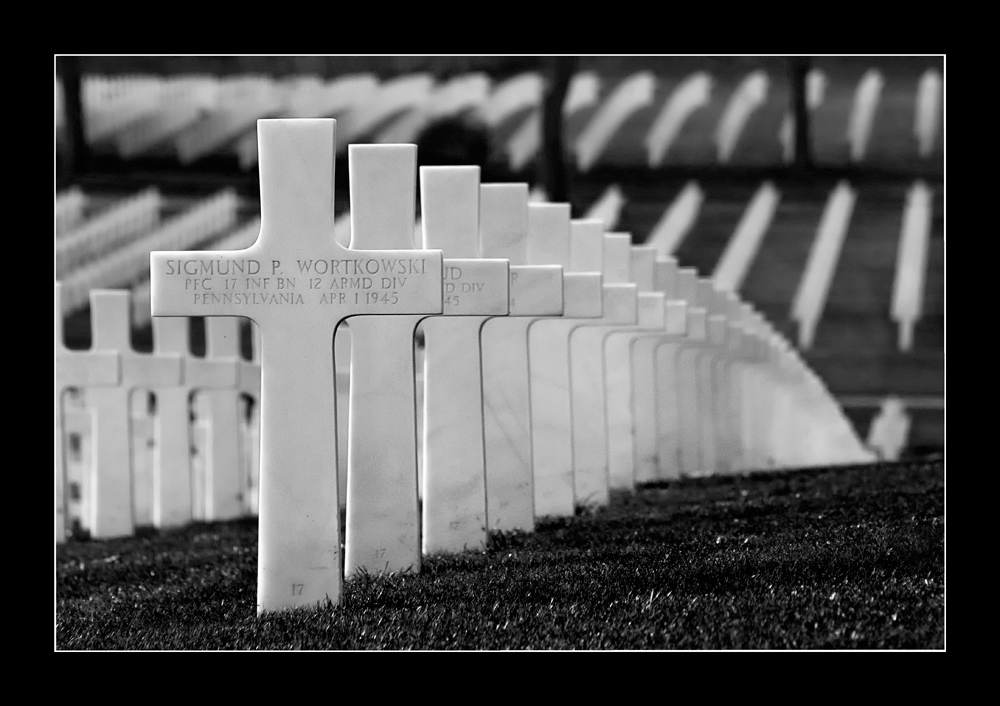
110	506
157	371
454	471
217	485
764	389
726	378
645	378
297	283
785	432
707	380
172	482
694	400
754	392
621	369
87	369
720	366
535	290
587	358
548	357
383	510
746	398
689	326
775	372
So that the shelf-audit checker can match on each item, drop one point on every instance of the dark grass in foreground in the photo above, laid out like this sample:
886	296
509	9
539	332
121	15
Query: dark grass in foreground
839	558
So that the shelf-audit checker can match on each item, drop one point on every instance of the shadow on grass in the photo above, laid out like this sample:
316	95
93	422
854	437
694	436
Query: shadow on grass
835	558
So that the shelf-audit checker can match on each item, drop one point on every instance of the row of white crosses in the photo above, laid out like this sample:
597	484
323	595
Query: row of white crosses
116	486
202	114
113	250
532	324
389	288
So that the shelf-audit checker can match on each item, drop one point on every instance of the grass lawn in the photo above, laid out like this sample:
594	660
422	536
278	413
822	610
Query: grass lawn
823	559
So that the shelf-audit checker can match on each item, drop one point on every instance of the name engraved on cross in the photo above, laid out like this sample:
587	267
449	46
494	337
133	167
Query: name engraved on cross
297	283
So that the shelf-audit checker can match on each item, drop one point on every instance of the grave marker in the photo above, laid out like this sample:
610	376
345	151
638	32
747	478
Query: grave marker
645	377
505	219
911	262
691	94
129	263
383	513
454	471
703	388
172	492
727	373
77	423
297	283
126	219
742	247
866	99
241	102
677	220
548	357
70	205
621	370
523	144
713	379
83	369
608	207
183	102
815	91
748	97
753	391
631	95
217	482
110	484
689	321
155	372
510	96
587	362
814	287
928	111
389	98
450	98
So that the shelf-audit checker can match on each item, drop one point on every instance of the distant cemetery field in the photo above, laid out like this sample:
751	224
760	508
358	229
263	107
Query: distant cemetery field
818	559
866	113
855	344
